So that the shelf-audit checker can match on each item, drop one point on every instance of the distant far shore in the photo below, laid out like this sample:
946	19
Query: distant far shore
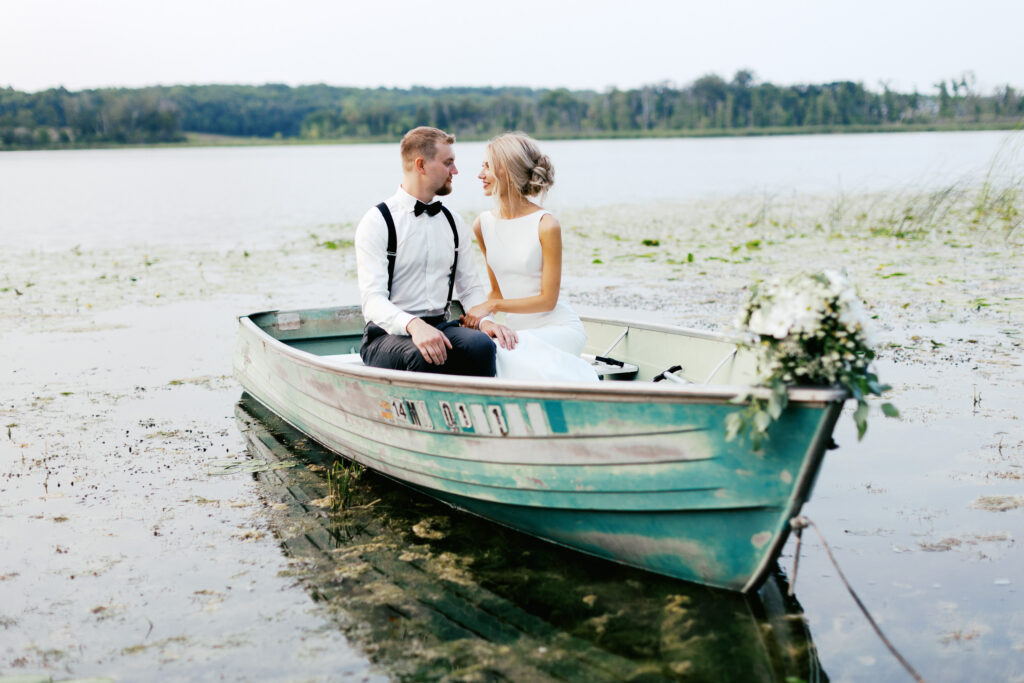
277	114
217	140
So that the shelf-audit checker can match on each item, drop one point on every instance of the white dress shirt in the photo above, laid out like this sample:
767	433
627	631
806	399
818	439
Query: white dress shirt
425	253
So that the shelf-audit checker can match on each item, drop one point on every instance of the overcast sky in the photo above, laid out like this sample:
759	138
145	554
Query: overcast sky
552	43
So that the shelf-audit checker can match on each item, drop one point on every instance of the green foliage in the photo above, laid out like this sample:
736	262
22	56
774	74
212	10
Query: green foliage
758	415
58	117
336	244
710	105
808	330
889	410
341	478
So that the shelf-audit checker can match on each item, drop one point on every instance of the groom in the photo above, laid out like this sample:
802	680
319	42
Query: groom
411	254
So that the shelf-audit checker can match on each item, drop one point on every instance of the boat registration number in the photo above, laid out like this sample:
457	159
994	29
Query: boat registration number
490	419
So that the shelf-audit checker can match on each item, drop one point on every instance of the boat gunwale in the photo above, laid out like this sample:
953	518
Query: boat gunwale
661	327
606	390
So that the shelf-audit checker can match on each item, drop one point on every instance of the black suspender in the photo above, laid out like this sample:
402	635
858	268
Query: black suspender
455	259
392	243
393	250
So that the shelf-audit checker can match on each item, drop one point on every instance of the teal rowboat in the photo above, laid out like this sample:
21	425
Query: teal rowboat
627	469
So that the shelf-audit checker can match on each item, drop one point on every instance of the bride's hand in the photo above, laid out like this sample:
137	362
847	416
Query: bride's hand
503	336
474	315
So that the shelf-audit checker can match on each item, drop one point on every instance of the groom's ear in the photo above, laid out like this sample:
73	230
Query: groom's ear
419	164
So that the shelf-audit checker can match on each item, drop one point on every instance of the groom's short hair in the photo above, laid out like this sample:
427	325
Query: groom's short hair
422	142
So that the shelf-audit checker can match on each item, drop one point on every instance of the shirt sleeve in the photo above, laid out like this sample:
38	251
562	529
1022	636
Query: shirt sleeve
468	287
372	270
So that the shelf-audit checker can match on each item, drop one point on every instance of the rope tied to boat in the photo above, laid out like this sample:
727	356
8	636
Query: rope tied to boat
798	524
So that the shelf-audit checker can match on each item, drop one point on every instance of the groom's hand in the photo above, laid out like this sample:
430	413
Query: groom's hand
505	336
475	315
431	342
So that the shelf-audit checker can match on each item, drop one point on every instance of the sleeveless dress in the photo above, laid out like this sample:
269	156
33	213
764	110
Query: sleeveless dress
550	343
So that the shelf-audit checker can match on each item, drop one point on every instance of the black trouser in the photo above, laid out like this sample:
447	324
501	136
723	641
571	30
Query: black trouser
472	351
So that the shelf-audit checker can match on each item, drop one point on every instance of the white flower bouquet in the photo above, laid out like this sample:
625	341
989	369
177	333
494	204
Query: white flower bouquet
807	329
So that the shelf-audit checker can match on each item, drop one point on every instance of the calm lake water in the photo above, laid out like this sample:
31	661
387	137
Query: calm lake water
132	400
239	196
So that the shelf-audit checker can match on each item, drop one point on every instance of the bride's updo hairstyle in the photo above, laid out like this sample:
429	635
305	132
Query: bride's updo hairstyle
521	170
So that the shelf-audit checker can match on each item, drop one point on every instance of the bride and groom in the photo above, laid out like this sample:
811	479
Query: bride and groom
413	254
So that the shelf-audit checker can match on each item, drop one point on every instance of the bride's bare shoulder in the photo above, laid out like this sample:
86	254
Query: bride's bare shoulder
548	222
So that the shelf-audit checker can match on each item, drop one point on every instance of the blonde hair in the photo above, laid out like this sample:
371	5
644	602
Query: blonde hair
422	142
519	167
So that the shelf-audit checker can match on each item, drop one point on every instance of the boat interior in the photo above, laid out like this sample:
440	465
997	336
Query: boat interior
618	350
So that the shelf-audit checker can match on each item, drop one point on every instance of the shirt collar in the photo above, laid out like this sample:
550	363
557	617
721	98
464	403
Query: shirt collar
404	200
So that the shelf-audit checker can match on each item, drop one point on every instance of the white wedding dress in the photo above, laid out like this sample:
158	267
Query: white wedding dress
550	343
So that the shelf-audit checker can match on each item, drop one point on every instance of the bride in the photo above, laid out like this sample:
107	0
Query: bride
522	245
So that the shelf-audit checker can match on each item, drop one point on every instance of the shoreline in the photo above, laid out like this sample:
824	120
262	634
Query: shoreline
194	139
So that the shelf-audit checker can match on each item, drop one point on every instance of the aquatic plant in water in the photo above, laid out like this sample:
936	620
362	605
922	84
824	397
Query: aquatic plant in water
341	478
807	329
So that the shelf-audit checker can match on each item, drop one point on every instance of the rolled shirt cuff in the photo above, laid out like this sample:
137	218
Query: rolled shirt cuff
400	323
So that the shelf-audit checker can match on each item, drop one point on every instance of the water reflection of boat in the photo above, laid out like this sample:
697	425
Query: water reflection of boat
437	594
633	471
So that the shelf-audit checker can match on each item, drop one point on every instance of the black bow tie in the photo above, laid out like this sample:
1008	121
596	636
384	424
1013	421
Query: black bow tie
431	209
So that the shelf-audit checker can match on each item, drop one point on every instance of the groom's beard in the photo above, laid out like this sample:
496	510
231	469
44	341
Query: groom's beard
445	189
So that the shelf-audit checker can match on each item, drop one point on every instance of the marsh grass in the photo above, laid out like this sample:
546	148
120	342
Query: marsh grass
915	257
999	198
992	208
342	477
922	254
994	205
343	236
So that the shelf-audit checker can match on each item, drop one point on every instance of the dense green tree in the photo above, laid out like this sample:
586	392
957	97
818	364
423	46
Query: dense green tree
163	114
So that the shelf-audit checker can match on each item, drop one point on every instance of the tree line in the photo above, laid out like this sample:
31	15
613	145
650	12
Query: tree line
710	105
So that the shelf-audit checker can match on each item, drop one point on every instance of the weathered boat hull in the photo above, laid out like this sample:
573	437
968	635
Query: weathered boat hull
529	612
634	472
